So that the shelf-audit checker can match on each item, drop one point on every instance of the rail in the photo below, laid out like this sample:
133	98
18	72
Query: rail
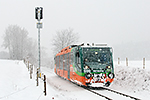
91	89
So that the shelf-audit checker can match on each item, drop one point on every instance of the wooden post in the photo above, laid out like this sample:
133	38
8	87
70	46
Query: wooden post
31	71
28	65
37	78
44	85
143	63
118	61
126	61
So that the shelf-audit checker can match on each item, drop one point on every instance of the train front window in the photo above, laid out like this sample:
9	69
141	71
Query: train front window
96	55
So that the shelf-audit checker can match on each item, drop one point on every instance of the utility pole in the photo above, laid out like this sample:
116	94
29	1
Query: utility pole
39	16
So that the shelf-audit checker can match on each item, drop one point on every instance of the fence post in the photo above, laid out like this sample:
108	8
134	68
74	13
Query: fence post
31	71
126	61
44	85
37	77
28	65
118	61
143	63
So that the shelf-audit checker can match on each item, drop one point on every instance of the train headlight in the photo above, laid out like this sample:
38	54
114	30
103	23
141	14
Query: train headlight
88	75
111	75
86	67
108	67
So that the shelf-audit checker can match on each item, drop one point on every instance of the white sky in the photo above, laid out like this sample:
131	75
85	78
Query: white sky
98	21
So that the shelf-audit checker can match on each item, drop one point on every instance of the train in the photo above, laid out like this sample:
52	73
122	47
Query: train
86	65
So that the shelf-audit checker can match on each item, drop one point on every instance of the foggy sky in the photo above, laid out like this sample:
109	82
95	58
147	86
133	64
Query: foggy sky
96	21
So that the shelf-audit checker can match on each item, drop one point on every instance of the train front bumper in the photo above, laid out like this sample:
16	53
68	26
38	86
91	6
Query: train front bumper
99	79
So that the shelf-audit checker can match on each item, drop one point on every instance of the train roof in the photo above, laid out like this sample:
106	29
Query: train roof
89	45
64	50
68	48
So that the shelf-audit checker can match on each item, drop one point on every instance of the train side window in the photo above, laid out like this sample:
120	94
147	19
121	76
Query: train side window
71	58
61	61
78	60
68	60
65	61
57	62
78	57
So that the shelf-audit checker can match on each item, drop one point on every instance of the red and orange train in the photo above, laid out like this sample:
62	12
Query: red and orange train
85	65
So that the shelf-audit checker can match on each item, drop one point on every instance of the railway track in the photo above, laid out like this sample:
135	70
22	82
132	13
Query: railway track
98	94
109	94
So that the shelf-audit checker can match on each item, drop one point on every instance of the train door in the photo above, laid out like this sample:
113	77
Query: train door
68	64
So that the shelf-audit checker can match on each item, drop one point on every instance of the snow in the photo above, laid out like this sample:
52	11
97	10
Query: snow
15	83
133	79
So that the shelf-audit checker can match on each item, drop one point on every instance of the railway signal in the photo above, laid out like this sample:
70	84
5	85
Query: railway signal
38	13
39	16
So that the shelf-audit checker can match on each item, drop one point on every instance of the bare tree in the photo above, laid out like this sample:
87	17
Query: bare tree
18	43
64	38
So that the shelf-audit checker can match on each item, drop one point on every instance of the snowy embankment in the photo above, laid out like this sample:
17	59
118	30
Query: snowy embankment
15	83
133	79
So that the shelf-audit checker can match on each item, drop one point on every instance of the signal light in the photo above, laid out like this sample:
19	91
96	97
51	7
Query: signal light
41	13
38	13
108	67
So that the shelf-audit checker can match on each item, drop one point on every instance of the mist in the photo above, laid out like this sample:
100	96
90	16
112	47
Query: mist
124	25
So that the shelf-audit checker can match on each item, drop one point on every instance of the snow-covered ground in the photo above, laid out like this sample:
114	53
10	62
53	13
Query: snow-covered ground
15	83
133	79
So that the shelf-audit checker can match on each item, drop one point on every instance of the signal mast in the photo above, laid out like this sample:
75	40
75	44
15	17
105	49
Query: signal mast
39	16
